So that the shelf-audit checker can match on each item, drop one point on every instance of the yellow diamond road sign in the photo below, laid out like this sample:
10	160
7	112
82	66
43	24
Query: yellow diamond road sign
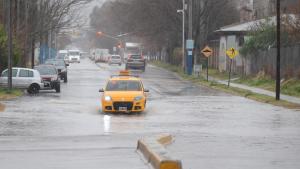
232	53
207	51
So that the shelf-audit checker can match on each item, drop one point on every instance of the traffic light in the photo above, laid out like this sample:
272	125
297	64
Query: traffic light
119	45
99	33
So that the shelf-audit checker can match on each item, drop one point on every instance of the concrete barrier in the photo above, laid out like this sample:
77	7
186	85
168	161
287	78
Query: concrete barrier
155	153
2	107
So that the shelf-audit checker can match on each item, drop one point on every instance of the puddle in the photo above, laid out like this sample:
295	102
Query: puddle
2	107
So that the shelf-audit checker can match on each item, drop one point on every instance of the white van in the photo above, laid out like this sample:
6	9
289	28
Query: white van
74	56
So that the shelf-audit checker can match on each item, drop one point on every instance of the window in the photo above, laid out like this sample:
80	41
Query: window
123	85
135	57
73	53
4	74
241	40
115	57
46	70
25	73
14	73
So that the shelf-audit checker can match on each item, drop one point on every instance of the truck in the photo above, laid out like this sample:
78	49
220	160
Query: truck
101	55
63	54
132	48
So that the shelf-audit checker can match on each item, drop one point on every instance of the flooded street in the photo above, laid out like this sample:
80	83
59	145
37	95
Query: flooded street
212	129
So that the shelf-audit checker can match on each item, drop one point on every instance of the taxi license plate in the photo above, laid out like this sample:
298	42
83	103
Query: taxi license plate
122	108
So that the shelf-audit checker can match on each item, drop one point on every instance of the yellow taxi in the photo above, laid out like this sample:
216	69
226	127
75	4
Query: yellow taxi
124	93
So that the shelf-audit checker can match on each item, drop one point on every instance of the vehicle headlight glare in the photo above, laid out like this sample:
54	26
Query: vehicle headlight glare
107	98
138	98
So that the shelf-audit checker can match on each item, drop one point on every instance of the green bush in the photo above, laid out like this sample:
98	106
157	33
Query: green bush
262	37
4	51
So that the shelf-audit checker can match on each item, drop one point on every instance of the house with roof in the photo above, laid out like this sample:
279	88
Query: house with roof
234	36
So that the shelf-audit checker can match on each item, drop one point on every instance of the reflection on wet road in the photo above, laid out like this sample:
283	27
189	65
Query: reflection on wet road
212	129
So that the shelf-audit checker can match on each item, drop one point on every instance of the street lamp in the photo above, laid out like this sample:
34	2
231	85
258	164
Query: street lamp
183	37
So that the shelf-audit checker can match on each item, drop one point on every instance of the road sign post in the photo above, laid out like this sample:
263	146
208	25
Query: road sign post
278	51
229	72
207	52
231	53
207	69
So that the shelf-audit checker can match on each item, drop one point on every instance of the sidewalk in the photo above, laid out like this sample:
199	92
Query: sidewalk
257	90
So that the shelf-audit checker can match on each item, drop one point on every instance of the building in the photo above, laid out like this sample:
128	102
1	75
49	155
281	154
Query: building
264	8
246	10
234	36
267	8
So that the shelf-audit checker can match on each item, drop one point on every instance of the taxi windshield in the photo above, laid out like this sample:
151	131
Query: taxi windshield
123	85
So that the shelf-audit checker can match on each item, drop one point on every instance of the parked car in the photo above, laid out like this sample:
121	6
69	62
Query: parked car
49	76
61	67
136	61
115	59
23	78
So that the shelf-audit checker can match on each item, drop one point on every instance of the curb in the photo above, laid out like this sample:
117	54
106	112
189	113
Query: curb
2	107
155	153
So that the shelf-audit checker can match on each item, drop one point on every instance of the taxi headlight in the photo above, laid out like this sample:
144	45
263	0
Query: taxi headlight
107	98
138	98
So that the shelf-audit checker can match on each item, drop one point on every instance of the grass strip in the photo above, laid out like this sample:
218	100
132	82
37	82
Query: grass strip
6	94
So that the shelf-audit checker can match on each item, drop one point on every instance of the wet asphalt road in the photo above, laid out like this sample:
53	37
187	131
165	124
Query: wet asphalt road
212	129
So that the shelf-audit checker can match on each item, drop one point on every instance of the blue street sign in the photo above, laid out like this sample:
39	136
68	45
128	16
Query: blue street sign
189	44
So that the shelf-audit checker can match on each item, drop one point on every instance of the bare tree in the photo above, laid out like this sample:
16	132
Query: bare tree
157	24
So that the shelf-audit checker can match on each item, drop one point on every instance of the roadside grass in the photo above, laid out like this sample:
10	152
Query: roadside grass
232	90
6	94
218	75
289	87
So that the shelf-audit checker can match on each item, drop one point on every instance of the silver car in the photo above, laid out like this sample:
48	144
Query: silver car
115	59
136	61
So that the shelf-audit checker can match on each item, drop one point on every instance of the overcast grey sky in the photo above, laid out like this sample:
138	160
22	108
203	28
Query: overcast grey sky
87	9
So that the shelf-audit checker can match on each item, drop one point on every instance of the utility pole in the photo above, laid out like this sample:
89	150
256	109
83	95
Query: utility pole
278	53
9	44
183	33
190	33
190	42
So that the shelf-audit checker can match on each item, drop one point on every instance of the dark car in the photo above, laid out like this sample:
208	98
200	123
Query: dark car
61	67
49	76
136	61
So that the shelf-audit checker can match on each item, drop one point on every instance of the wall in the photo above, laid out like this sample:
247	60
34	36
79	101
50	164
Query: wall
263	8
222	55
227	42
214	59
266	61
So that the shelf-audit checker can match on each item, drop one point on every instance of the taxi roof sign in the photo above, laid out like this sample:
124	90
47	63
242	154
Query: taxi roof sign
124	73
232	53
